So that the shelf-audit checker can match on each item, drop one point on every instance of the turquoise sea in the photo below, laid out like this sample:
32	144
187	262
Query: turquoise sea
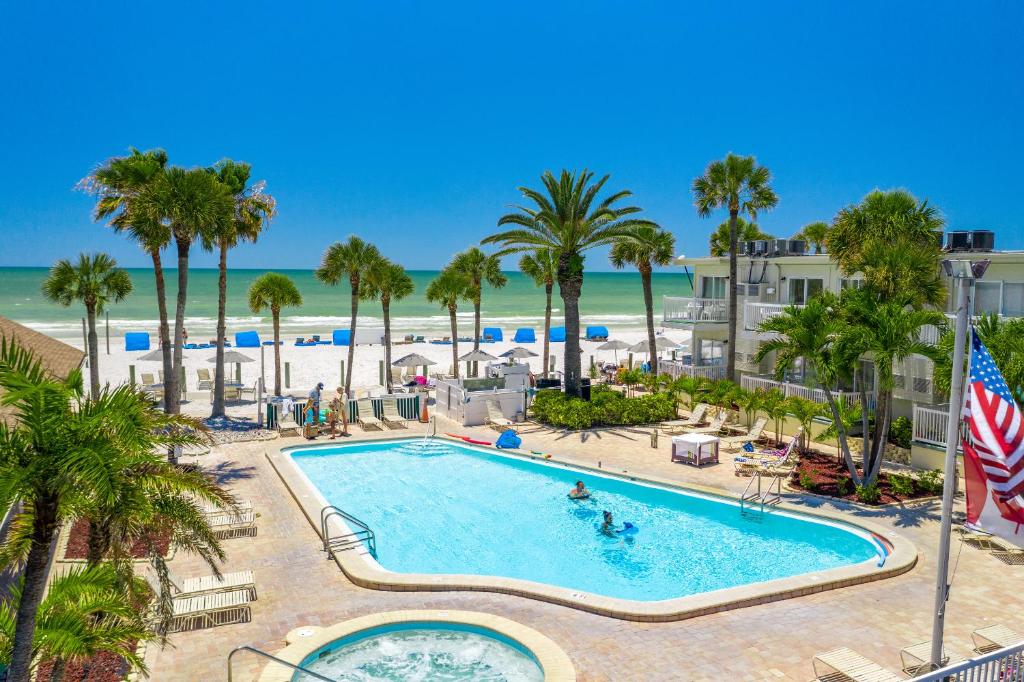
610	298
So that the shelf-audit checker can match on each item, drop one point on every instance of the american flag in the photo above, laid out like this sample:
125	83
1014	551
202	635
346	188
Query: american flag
993	438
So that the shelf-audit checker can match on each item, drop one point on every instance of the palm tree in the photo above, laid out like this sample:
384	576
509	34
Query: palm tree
814	234
478	268
739	185
350	260
85	612
567	219
848	413
51	459
751	402
541	266
121	185
719	243
446	289
1004	338
901	270
387	282
253	210
645	246
273	291
805	412
96	281
775	406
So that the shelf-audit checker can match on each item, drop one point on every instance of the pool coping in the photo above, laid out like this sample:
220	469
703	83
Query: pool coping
359	567
303	641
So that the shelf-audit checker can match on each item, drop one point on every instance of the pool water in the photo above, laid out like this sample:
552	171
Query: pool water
424	652
449	508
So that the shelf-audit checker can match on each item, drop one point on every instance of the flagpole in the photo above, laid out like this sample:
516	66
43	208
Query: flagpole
965	281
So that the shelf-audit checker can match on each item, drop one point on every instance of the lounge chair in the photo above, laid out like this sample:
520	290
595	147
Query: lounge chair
210	610
365	417
846	665
444	341
404	341
148	379
557	335
211	509
994	637
494	333
525	335
716	425
976	537
496	419
205	381
916	658
230	524
392	418
753	435
211	584
1007	553
397	375
696	418
774	462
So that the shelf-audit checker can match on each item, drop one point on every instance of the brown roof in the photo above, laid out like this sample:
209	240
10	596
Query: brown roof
57	357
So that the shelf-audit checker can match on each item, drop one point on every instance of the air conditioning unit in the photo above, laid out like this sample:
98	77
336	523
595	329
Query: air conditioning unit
749	247
777	247
761	247
958	241
796	247
983	240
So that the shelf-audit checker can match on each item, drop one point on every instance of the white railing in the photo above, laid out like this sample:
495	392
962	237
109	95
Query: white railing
676	309
1001	665
678	368
752	383
756	313
930	425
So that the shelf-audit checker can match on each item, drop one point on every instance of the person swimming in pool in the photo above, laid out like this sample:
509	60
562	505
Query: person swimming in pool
608	525
579	492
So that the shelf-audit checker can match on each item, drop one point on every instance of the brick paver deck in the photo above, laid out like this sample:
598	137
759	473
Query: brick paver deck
298	586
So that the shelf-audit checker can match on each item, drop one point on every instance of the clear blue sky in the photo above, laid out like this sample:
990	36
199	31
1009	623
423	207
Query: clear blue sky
412	124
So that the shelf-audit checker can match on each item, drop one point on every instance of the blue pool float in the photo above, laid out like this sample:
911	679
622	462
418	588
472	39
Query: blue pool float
628	529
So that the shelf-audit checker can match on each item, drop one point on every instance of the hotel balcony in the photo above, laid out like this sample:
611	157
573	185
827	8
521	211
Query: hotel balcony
930	424
689	311
752	383
680	368
755	313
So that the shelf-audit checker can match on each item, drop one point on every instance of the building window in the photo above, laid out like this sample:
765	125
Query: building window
845	284
1013	299
801	289
987	297
713	287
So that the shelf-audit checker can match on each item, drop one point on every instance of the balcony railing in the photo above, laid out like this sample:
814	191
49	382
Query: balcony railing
756	313
752	383
694	309
930	424
678	368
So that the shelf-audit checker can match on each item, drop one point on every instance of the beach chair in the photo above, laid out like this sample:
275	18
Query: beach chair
696	418
1007	553
916	658
493	333
211	584
994	637
496	418
232	393
716	424
846	665
444	340
751	436
392	418
768	461
365	417
205	381
976	537
210	610
230	524
148	379
397	374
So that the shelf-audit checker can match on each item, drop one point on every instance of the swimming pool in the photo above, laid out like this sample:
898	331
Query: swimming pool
450	508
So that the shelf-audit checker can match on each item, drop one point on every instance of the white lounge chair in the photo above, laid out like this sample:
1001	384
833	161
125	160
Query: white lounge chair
365	416
205	382
845	665
751	436
496	419
211	584
716	424
916	658
696	418
390	414
994	637
233	524
210	610
1005	552
775	462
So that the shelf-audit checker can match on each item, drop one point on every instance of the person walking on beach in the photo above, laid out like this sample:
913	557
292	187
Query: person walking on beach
338	410
314	395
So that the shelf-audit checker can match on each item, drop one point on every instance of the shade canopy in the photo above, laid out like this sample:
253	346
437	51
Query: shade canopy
518	353
232	356
614	344
477	356
661	343
412	360
152	356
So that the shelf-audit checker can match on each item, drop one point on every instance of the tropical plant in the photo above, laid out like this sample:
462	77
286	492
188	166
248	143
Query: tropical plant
739	185
479	268
904	272
750	403
719	241
85	612
96	281
387	282
541	265
350	260
253	210
644	247
52	451
446	289
814	234
775	406
1004	339
121	186
847	415
805	412
688	386
273	291
568	219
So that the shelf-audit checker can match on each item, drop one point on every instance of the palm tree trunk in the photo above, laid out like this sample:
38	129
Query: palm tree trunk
844	446
43	526
94	352
883	414
172	382
222	304
98	543
547	327
476	327
352	335
385	305
570	283
730	361
455	340
276	314
165	330
57	669
645	281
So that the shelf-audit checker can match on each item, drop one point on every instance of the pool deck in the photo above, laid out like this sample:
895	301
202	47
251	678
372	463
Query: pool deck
774	641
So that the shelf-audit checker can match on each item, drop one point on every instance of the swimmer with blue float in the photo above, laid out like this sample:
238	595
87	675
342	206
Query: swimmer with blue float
579	492
608	526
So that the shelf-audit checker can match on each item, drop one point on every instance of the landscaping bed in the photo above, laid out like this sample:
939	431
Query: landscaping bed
104	667
605	408
824	475
78	543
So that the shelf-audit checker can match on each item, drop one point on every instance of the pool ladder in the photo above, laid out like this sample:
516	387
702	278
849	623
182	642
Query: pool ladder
275	659
359	534
756	499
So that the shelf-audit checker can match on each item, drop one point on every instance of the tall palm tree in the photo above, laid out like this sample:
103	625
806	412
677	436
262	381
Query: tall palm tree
349	260
253	210
446	289
1004	338
96	281
805	412
814	234
739	185
273	291
51	455
541	265
645	246
478	268
387	282
121	186
567	218
719	242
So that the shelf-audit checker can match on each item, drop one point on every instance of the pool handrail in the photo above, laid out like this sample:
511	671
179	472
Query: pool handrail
275	659
362	532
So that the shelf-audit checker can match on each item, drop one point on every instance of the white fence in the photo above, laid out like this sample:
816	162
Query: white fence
756	313
752	383
1002	665
676	309
930	425
677	368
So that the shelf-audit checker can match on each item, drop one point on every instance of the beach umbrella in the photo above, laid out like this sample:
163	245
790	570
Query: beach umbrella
235	357
152	356
518	353
413	360
661	343
476	356
614	345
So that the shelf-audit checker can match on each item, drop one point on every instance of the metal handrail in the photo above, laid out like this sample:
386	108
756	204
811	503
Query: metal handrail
275	659
363	533
768	497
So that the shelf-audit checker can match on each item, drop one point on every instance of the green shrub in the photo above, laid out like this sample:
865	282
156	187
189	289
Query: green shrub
931	482
901	485
901	432
606	408
843	484
868	494
806	482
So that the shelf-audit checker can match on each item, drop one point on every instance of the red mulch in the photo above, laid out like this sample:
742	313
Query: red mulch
825	474
78	543
104	667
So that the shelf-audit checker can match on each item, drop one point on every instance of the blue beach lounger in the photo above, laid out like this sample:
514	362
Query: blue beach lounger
557	335
247	340
525	335
136	341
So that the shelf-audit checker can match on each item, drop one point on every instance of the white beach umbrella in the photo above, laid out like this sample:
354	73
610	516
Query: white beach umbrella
235	357
152	356
518	353
614	345
412	360
476	356
661	343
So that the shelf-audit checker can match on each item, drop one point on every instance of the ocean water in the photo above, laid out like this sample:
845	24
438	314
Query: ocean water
450	509
610	298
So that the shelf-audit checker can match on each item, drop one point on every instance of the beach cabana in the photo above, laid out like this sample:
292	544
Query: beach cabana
494	333
597	333
341	337
525	335
557	335
136	341
247	340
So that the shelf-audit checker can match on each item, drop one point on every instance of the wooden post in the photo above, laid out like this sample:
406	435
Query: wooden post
107	313
287	375
238	372
85	342
341	382
131	374
630	366
380	372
